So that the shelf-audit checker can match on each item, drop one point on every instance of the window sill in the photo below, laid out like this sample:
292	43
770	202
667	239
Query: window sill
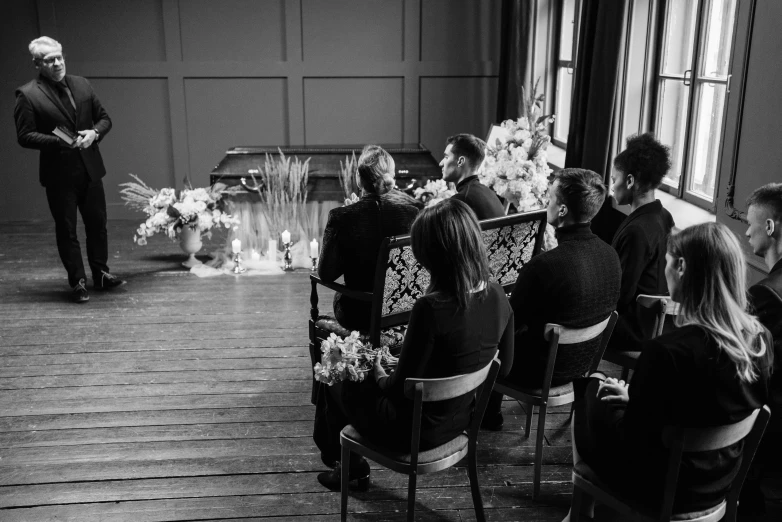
685	214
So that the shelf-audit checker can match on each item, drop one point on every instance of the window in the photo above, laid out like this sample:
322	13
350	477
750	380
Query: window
692	86
566	56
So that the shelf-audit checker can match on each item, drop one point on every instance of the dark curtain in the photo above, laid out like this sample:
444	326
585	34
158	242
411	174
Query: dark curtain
516	49
589	143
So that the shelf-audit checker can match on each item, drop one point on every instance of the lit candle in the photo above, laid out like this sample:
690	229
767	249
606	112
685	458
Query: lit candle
314	248
236	245
286	237
271	255
254	255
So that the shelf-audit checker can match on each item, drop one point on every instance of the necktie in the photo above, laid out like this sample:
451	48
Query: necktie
65	98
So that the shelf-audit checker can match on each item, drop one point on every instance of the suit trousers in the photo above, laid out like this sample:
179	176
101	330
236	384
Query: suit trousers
90	200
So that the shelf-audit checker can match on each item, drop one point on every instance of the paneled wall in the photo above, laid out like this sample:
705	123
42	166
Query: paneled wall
183	80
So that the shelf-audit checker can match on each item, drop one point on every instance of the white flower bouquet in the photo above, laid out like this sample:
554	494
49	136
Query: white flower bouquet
348	359
516	166
168	212
433	192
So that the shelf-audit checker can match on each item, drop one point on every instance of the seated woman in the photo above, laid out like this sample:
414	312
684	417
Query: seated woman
456	328
713	370
641	238
354	232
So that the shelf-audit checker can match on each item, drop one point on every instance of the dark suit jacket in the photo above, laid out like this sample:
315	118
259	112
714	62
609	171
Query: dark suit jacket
480	198
38	111
575	285
351	242
766	299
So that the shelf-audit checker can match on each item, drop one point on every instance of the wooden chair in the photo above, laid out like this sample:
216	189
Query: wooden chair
511	241
442	457
661	306
545	397
679	441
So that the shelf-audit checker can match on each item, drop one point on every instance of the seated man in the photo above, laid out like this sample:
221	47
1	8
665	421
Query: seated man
575	285
764	214
642	238
462	158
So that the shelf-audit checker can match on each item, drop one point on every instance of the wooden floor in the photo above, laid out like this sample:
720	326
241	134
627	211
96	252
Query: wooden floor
180	398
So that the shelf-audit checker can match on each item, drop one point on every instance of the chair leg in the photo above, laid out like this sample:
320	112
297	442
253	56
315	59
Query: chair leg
530	411
472	471
575	504
411	483
345	467
539	451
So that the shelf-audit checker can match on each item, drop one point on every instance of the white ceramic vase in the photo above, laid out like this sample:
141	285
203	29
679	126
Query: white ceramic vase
190	242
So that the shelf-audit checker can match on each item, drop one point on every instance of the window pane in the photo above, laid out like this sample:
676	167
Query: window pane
564	95
567	30
709	109
718	32
672	123
680	36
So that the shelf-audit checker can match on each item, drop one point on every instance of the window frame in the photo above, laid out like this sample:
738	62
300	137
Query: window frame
696	81
558	63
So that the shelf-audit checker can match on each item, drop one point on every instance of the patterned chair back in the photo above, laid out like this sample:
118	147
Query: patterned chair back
510	241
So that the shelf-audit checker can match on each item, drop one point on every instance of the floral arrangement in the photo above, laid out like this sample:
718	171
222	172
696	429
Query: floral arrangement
168	212
515	166
348	359
433	192
347	179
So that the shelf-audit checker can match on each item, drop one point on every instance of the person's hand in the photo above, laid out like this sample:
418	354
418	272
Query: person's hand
378	369
613	390
86	138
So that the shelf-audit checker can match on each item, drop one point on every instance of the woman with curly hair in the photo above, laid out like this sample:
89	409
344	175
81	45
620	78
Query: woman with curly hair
712	370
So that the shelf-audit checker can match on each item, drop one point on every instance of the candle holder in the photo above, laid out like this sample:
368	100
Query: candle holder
238	268
314	263
287	257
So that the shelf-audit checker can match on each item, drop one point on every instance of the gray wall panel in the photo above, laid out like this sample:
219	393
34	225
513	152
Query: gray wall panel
140	139
460	30
341	30
222	113
110	30
455	105
232	30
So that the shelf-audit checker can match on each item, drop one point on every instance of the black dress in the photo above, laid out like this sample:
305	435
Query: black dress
441	341
351	242
682	378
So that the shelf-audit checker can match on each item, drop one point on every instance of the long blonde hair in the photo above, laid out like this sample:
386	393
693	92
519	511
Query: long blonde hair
713	293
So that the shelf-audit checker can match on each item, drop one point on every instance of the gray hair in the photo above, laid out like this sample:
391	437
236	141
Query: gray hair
43	41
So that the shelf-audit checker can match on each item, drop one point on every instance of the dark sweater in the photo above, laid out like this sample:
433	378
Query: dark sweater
641	243
682	378
575	285
480	198
351	242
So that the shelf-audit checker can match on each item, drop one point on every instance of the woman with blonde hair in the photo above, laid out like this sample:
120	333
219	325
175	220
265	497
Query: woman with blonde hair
712	370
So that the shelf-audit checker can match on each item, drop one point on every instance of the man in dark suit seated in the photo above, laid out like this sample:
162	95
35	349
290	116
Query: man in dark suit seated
575	285
462	157
764	215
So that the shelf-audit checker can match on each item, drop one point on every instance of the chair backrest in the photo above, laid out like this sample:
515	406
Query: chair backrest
433	390
689	440
557	335
511	241
661	305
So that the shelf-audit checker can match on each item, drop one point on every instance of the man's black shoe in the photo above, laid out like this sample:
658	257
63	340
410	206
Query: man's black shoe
492	422
79	293
107	281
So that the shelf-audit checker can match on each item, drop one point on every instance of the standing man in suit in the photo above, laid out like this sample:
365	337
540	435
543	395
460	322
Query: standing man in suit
463	156
71	173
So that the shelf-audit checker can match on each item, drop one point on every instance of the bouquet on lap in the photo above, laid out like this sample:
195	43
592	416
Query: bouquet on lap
349	359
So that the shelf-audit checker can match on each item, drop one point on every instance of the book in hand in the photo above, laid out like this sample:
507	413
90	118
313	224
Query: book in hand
65	135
